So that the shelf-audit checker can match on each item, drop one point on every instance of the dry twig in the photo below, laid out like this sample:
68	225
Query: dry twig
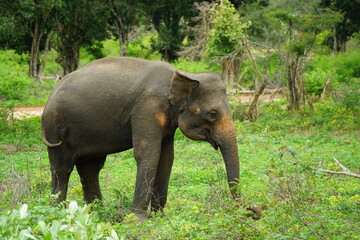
345	170
326	89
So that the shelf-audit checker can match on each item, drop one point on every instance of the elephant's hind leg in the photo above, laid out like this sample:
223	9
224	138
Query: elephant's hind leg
88	170
61	167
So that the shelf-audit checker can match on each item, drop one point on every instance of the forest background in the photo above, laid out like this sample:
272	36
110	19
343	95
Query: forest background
305	53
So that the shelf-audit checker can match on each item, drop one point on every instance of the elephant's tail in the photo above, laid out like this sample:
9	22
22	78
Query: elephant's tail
47	143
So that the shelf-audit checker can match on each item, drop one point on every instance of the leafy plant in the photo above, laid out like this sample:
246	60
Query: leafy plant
227	29
71	222
14	84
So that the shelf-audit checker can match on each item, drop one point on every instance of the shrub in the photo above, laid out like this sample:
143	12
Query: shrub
196	67
324	116
226	30
45	222
344	68
14	84
351	101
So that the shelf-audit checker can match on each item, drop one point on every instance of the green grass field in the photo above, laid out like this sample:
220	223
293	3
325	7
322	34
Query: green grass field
279	156
278	162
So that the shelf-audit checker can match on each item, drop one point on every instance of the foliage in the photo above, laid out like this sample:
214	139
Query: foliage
141	47
14	85
168	18
125	16
295	30
17	40
78	23
196	66
349	25
343	68
324	116
70	222
16	88
227	29
33	21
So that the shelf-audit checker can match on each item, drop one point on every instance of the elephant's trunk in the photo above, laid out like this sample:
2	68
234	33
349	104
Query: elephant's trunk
226	138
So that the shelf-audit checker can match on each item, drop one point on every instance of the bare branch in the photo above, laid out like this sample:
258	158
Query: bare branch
246	46
344	172
326	88
252	112
200	32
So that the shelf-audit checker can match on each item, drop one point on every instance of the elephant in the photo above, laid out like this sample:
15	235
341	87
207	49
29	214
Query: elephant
117	103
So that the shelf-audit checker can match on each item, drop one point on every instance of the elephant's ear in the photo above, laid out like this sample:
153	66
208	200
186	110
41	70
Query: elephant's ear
182	88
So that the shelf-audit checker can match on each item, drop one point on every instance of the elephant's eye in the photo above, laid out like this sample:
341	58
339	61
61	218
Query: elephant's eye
213	115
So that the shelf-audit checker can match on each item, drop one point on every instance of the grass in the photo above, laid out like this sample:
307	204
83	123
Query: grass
279	155
16	87
277	170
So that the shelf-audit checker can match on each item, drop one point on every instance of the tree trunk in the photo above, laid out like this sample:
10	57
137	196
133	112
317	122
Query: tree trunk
252	112
296	87
293	91
335	42
230	69
35	51
46	50
343	45
122	36
70	58
122	43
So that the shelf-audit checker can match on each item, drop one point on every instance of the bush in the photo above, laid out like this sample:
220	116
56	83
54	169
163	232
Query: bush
324	116
344	68
226	29
14	84
315	81
45	222
196	67
351	101
22	134
16	87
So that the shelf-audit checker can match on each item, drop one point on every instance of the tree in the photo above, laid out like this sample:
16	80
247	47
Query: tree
217	33
226	31
124	16
241	3
349	24
306	30
198	32
225	38
293	29
169	18
78	23
32	20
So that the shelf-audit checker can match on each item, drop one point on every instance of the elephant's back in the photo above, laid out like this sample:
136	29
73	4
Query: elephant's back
113	74
106	90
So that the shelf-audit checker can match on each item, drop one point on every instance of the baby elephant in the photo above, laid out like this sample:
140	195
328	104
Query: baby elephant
117	103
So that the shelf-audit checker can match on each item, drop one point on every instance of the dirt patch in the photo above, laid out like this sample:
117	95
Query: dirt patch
22	112
8	149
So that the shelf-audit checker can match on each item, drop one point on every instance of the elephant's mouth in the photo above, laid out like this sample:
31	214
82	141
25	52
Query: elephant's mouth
201	134
210	140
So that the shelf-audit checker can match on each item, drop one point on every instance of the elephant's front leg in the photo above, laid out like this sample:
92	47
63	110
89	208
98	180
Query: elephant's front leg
147	155
159	197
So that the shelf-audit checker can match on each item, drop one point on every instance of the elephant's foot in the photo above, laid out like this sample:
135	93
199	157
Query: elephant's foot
141	215
256	211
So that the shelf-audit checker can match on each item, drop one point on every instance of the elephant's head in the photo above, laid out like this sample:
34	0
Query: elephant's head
204	114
